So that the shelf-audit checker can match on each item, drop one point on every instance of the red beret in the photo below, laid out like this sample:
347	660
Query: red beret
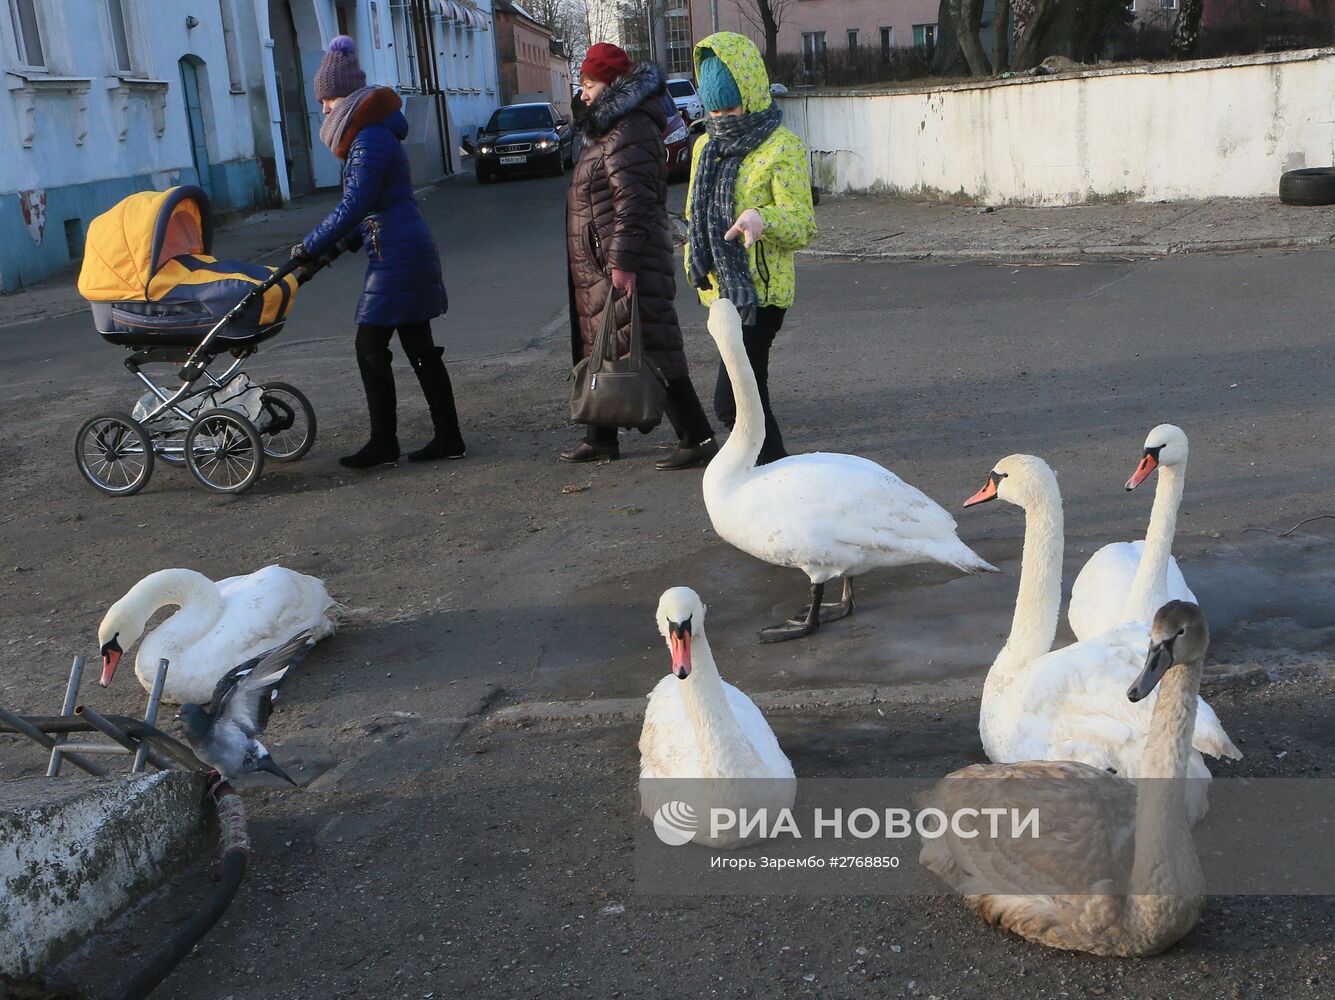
605	62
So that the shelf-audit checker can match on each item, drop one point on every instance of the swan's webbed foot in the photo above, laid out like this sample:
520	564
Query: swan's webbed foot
804	625
831	611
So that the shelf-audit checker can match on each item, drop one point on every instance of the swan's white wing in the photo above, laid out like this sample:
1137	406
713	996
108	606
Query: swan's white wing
1098	597
667	739
759	733
840	512
1071	704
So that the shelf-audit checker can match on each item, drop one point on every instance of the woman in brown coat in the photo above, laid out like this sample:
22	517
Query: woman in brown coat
618	241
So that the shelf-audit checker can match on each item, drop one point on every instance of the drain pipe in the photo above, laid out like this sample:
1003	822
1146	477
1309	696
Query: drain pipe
235	851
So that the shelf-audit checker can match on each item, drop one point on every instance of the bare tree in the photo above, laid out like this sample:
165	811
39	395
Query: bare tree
1001	37
967	16
766	16
1186	36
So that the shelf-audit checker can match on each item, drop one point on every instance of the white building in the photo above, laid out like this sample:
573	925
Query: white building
107	97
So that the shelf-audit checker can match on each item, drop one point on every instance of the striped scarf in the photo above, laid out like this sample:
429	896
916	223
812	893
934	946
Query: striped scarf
334	124
714	206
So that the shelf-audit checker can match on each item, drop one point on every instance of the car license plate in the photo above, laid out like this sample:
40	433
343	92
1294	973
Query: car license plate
508	161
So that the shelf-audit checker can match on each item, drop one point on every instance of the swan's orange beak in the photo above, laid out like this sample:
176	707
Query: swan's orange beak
680	640
111	656
988	492
1148	464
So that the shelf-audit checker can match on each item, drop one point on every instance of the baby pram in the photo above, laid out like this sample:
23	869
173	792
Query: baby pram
155	290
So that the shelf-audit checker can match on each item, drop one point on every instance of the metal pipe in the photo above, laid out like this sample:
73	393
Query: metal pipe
71	696
20	725
235	851
111	748
173	748
120	736
150	713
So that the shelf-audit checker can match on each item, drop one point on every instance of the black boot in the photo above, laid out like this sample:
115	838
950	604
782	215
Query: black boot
373	358
439	393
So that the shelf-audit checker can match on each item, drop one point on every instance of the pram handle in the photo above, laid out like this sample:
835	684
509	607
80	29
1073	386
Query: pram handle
195	364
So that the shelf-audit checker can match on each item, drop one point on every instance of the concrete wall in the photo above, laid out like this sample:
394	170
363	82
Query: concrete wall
74	852
1214	128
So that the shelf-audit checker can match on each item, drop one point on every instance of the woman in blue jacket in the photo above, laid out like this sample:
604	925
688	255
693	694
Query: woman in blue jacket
364	128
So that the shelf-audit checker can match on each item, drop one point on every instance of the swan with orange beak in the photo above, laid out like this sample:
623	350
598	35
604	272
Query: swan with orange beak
1127	581
704	742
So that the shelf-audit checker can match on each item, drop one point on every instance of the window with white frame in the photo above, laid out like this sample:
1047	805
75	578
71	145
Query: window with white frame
813	49
405	43
679	58
852	41
887	43
27	32
1168	4
924	36
120	39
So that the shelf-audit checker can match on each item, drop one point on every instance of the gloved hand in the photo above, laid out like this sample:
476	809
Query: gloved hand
624	280
299	251
749	226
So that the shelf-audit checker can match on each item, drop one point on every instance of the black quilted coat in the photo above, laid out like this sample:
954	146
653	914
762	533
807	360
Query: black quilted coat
616	216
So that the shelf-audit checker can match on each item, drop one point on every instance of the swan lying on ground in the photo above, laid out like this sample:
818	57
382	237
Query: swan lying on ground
218	625
704	743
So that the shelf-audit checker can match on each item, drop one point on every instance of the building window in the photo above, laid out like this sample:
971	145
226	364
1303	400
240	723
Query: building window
679	41
852	41
887	43
120	41
924	36
1168	4
405	44
813	49
27	32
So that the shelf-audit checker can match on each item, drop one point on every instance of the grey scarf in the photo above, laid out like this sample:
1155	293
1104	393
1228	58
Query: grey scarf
331	129
714	208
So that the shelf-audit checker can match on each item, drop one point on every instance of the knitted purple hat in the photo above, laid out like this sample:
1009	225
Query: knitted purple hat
340	73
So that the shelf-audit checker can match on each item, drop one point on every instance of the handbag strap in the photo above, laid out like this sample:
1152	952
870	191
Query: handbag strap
604	345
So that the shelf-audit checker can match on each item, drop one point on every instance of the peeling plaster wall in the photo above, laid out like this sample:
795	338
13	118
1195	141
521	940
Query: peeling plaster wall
1212	128
74	851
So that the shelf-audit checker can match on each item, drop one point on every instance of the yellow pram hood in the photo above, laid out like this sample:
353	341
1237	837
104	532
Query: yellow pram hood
154	246
130	242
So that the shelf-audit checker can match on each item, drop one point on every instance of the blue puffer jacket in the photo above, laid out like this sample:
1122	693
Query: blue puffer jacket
403	280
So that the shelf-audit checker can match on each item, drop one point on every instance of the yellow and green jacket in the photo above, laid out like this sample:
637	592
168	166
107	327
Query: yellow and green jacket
775	178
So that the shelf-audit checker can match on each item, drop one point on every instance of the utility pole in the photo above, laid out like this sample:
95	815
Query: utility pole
713	15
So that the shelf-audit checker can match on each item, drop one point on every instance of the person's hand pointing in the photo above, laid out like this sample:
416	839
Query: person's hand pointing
749	226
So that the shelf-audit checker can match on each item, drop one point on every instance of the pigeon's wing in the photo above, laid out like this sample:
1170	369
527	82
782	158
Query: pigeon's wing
229	680
246	703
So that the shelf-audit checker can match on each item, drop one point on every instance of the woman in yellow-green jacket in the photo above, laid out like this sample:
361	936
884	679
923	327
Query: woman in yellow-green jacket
749	209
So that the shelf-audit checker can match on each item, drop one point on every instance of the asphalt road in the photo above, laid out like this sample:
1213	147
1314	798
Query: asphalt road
509	578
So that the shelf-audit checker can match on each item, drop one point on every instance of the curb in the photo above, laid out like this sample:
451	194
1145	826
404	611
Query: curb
612	711
1132	250
615	710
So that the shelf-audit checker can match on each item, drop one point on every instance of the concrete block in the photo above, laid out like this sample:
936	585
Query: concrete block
75	851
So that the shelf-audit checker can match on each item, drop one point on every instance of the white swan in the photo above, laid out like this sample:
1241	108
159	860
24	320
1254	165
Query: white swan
218	625
1126	581
825	514
704	743
1069	704
1114	870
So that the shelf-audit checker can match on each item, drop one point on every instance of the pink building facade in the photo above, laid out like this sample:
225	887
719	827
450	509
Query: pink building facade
810	25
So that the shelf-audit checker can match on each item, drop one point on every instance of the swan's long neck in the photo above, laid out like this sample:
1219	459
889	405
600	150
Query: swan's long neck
723	746
740	451
200	603
1165	858
1038	600
1149	588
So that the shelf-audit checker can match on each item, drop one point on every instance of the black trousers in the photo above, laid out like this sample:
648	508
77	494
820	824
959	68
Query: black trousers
374	359
683	411
758	338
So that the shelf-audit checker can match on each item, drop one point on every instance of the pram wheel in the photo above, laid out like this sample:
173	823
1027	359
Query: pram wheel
286	422
223	451
114	454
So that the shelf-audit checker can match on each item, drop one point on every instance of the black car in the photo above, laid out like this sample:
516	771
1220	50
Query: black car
524	137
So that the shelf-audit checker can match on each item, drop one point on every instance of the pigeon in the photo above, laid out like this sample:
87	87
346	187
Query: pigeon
224	734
